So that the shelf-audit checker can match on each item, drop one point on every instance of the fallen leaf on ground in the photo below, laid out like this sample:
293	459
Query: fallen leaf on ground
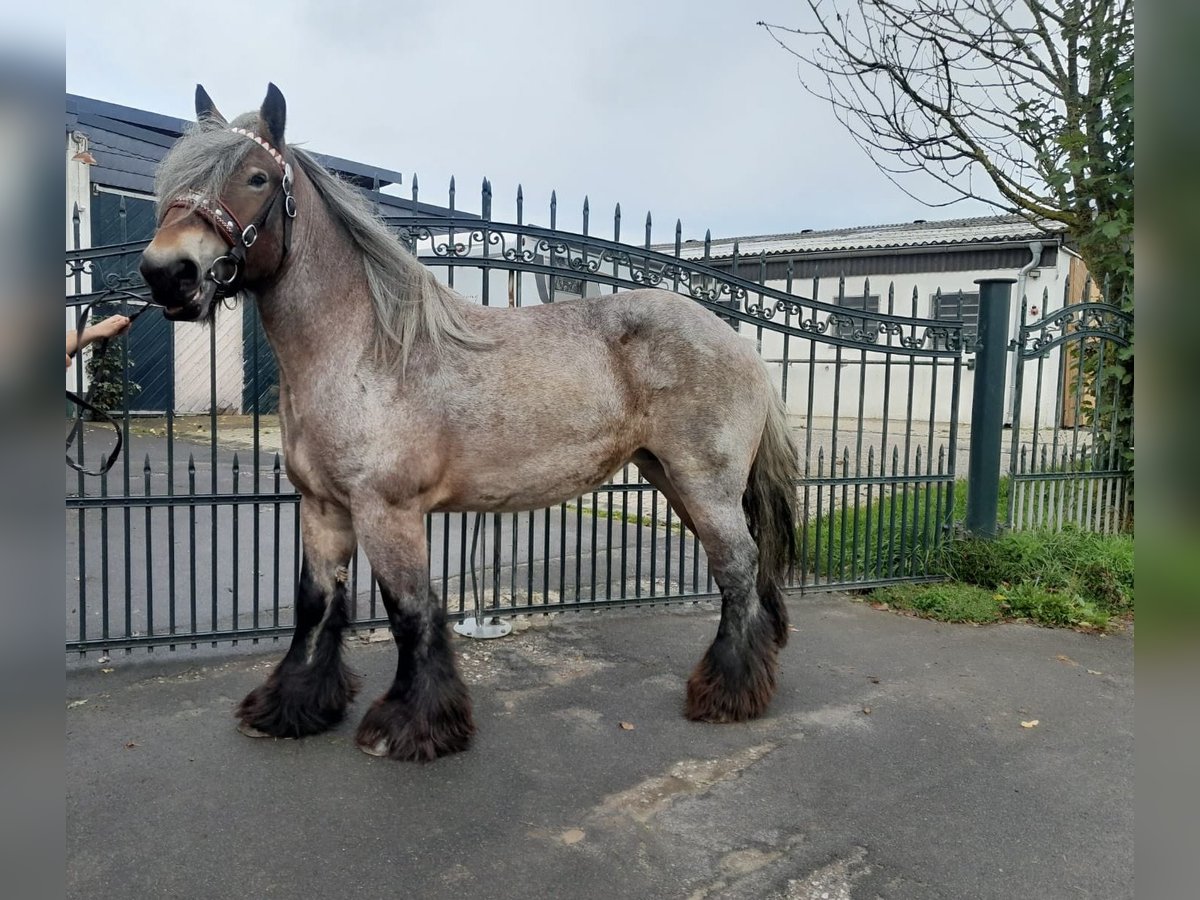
1062	657
129	745
1032	723
627	726
1094	672
75	703
571	836
878	605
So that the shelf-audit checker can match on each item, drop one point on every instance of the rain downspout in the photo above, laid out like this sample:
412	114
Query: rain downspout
1035	250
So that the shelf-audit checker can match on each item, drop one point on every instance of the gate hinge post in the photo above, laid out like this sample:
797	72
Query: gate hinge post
987	406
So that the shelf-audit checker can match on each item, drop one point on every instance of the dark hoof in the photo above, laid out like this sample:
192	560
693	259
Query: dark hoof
297	701
730	688
403	731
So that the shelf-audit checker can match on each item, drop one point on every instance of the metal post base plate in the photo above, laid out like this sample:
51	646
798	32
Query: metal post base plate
490	628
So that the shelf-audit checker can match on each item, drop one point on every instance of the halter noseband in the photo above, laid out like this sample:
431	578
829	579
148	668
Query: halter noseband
226	272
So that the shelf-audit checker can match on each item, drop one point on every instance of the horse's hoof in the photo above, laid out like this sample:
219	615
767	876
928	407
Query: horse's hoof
379	748
727	688
294	704
251	731
410	733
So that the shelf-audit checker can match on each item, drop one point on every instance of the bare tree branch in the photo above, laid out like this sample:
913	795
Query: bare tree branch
1014	90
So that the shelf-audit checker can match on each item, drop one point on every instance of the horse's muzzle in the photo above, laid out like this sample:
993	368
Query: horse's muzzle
176	285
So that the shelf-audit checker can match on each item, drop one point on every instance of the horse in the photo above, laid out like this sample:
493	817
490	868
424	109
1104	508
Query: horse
387	387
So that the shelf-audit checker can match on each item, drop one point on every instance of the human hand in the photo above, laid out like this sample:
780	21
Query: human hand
110	327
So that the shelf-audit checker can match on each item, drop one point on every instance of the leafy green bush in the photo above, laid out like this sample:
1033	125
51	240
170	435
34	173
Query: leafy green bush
1095	567
1032	601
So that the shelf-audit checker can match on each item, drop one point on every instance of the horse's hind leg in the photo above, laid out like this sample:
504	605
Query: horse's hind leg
655	473
309	690
735	679
426	713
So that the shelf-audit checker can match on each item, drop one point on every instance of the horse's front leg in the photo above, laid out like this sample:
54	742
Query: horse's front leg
426	713
309	690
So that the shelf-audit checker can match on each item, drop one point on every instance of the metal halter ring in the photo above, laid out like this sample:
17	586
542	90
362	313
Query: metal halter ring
224	261
289	202
249	236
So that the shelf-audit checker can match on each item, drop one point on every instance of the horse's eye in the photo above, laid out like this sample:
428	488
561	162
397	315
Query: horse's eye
258	179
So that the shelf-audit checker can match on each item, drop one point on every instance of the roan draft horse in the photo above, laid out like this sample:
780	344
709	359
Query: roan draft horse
387	387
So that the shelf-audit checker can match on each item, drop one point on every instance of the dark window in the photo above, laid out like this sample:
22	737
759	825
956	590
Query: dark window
956	305
846	326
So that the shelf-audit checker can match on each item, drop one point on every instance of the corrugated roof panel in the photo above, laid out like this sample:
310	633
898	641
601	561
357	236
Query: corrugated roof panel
920	233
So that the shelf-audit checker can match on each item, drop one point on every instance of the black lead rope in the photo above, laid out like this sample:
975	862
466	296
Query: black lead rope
84	403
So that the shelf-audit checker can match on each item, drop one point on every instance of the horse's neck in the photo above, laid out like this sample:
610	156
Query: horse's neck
320	309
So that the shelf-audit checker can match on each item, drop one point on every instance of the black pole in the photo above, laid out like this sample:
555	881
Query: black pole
987	407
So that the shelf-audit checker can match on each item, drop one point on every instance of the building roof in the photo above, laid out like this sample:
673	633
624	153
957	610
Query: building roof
919	234
128	144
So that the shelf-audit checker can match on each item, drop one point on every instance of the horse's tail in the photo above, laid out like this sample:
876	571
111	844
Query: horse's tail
770	505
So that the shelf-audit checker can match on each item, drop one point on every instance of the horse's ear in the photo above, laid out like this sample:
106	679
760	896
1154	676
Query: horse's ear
274	114
205	108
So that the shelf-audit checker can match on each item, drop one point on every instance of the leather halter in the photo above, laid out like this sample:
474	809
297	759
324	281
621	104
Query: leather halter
226	272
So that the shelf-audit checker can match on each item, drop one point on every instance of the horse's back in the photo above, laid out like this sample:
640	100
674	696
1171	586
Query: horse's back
687	379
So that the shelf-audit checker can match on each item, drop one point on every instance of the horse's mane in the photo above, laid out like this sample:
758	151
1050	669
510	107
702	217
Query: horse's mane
410	304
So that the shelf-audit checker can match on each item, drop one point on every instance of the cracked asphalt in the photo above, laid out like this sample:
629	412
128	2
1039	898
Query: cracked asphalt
893	763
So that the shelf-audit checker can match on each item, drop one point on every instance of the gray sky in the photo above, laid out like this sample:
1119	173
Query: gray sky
683	108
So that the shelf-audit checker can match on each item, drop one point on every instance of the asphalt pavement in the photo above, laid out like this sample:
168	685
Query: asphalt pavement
901	758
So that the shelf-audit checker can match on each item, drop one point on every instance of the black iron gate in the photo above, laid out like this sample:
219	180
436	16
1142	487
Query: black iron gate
194	537
1072	419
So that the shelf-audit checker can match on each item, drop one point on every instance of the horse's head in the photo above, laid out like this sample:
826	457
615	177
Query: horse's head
225	207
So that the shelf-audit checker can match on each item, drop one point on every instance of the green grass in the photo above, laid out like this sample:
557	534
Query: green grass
1095	567
896	533
950	602
1065	579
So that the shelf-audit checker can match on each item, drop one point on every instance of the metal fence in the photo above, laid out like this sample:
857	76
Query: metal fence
1075	473
194	537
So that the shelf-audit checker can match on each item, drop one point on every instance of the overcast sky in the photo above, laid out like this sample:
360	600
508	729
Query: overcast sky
687	109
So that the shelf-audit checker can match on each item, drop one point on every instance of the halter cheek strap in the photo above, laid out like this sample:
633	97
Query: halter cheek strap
226	272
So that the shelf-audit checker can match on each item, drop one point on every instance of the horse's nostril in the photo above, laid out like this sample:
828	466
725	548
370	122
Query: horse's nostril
180	274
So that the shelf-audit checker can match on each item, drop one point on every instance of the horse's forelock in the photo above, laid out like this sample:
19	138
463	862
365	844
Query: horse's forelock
202	160
411	305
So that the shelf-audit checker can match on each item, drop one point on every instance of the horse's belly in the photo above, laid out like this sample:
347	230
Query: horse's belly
522	484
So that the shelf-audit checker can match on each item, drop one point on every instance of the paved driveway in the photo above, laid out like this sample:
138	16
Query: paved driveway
936	792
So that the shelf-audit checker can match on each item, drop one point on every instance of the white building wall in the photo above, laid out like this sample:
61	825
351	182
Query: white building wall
79	192
913	296
193	371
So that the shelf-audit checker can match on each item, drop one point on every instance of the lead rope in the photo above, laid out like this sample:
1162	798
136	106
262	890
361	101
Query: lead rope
84	403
